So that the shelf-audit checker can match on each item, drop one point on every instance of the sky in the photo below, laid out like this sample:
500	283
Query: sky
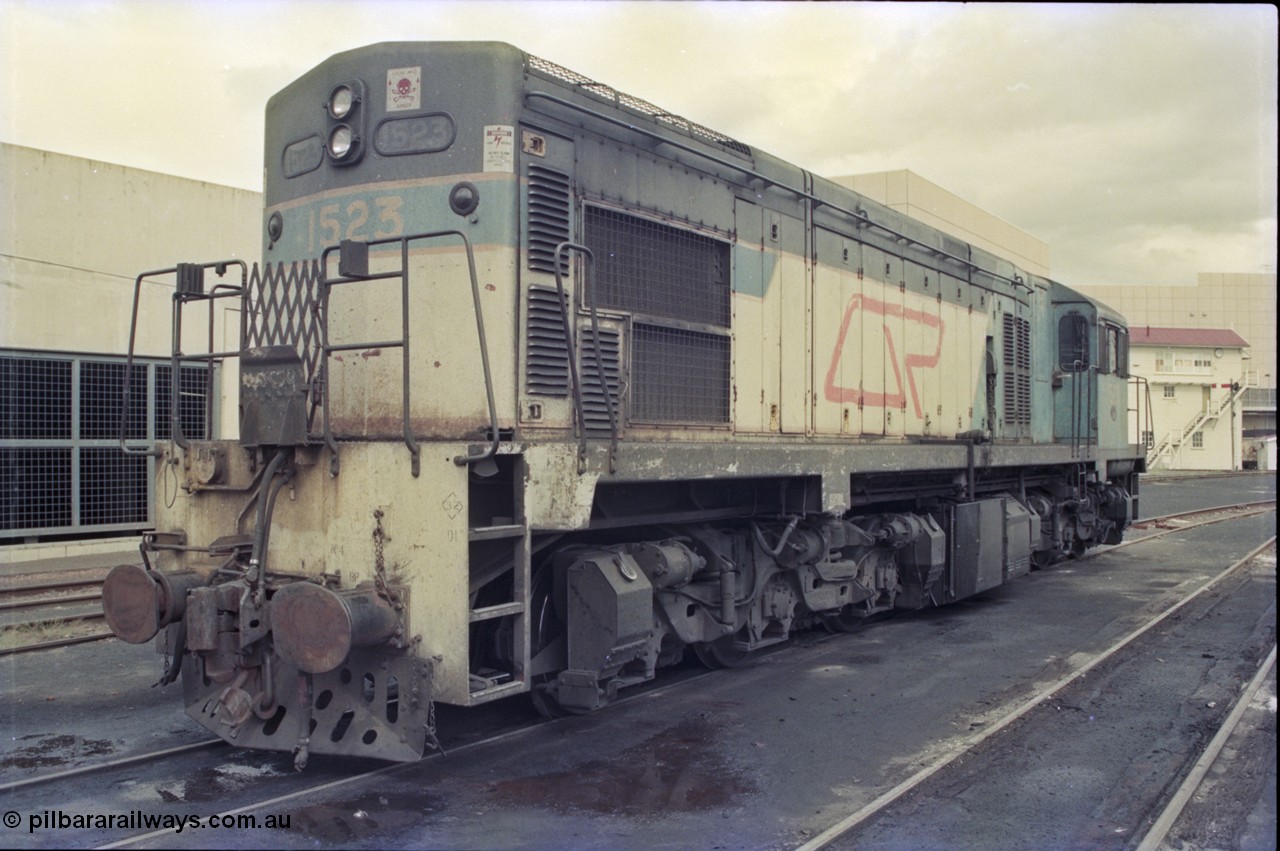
1138	141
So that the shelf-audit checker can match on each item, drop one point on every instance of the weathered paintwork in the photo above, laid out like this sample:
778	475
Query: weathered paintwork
886	386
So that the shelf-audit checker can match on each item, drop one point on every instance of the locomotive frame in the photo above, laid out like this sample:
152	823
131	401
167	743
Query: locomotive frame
560	385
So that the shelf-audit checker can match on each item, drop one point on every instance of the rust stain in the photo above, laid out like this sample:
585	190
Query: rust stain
371	353
491	288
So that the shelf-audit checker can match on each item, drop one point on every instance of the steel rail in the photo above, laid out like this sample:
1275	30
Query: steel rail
40	602
51	586
343	781
1246	510
119	762
1166	820
57	642
967	744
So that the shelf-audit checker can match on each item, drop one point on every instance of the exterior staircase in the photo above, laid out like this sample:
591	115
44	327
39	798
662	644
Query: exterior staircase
1175	439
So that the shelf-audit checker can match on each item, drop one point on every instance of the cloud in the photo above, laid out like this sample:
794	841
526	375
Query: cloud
1136	139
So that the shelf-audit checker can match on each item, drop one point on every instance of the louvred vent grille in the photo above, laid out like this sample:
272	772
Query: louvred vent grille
595	405
547	360
1017	370
549	212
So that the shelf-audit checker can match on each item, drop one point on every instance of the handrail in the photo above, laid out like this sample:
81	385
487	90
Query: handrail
860	216
403	344
573	370
189	287
1082	392
1142	389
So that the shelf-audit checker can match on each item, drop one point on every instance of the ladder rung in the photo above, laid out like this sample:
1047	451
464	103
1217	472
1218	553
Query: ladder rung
499	611
489	533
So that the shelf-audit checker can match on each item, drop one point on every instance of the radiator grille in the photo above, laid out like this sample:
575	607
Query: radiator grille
595	405
658	270
547	358
1017	370
679	375
549	212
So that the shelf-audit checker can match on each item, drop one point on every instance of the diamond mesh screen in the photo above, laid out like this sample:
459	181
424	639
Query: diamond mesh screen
573	78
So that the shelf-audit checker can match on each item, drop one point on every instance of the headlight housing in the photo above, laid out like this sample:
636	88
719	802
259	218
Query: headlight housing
342	142
341	101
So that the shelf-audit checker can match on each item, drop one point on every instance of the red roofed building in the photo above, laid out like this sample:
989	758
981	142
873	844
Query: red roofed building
1197	377
1193	337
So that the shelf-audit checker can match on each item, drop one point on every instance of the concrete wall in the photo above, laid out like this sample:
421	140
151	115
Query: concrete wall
75	235
927	202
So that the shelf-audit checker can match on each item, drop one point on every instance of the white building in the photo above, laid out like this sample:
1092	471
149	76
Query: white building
1197	377
74	235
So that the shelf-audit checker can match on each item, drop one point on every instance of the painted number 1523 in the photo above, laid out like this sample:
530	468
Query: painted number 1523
357	220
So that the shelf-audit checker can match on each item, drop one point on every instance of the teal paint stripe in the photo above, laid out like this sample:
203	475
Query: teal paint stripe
753	271
369	213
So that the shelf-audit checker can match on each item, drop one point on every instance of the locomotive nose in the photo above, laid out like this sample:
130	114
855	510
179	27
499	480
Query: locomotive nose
316	628
138	602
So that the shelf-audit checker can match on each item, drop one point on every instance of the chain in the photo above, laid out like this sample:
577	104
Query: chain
379	561
429	669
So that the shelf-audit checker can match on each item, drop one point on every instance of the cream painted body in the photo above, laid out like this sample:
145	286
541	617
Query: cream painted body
325	525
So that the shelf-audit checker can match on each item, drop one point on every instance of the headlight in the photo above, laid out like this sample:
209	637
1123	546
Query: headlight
341	141
340	102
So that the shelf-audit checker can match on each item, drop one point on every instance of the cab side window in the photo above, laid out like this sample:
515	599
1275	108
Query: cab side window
1073	343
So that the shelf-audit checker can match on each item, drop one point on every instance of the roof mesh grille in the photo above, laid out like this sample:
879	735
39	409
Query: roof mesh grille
635	104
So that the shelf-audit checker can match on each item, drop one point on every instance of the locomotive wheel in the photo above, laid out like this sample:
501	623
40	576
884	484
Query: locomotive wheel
721	653
547	628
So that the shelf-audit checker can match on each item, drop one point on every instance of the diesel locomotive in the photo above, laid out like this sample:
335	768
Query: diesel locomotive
541	386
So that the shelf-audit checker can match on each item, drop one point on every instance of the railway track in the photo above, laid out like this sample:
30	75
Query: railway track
274	796
41	613
1212	758
849	832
